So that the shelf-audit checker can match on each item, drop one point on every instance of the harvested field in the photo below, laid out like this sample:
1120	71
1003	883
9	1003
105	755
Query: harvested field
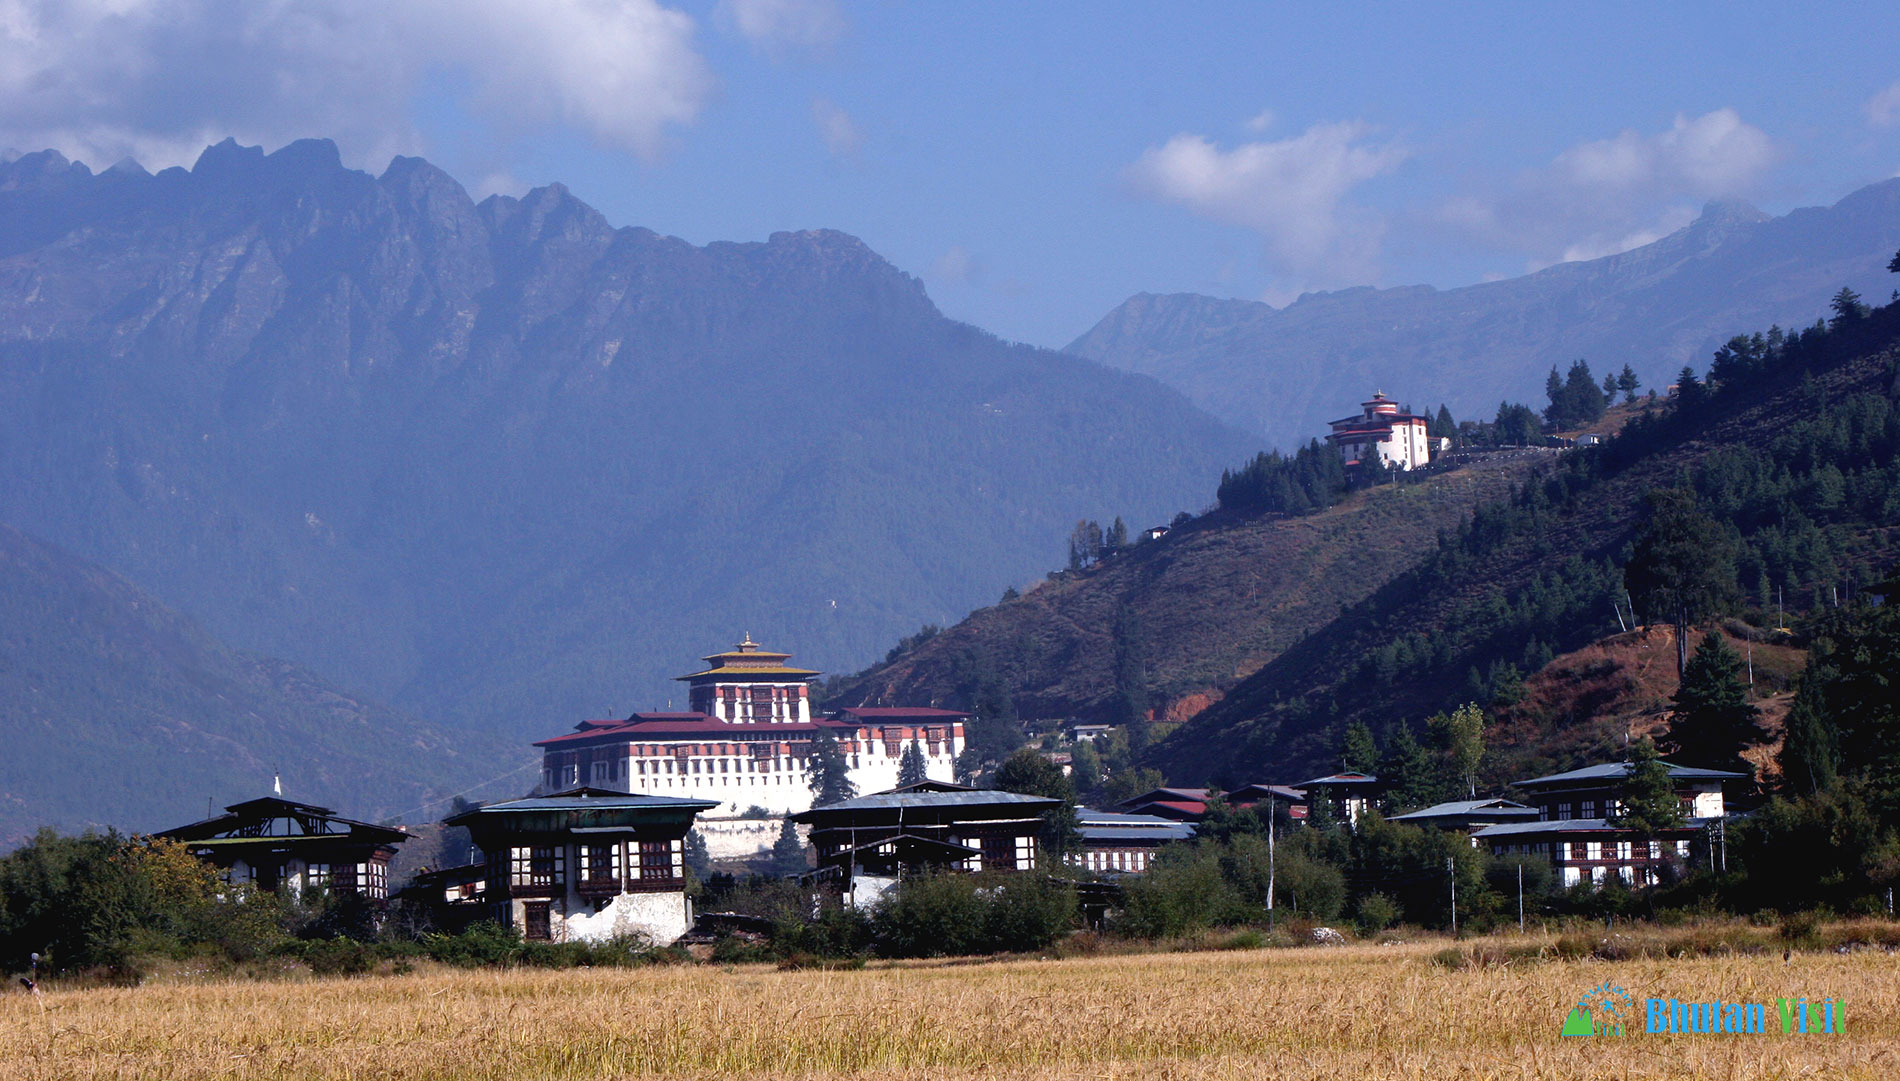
1357	1012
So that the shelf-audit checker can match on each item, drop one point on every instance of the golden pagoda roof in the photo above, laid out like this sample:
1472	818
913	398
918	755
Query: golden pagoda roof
748	658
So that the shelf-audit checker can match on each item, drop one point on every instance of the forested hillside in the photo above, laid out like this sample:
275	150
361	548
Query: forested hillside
505	465
119	712
1776	478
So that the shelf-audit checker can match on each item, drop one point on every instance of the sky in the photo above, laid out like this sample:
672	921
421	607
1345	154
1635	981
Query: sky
1034	164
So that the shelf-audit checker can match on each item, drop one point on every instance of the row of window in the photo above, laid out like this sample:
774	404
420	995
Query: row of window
1132	860
646	861
1601	874
1619	850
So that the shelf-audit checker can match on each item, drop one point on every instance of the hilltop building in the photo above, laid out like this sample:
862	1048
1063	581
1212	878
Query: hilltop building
277	843
1382	435
743	747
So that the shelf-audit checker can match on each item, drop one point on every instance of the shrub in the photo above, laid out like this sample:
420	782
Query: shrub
338	957
947	914
1376	913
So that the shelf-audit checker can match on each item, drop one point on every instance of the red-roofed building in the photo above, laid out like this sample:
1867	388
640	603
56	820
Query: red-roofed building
1382	435
745	747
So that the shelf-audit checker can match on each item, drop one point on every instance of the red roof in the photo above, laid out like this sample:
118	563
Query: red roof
686	726
879	713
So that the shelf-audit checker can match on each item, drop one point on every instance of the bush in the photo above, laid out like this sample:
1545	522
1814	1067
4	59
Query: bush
1376	913
484	943
1182	892
338	957
949	914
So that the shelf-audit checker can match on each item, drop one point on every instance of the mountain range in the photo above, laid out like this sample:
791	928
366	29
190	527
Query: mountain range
502	465
1284	372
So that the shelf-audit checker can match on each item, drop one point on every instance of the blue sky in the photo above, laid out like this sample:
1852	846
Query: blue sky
1034	164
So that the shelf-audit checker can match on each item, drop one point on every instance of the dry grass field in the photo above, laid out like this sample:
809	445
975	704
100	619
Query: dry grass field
1356	1012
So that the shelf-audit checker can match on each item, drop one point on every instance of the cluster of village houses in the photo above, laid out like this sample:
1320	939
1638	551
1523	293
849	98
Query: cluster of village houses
599	850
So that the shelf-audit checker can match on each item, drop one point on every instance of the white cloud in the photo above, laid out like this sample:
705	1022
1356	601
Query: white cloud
835	126
1260	121
783	26
159	79
1883	109
1710	155
1293	192
1610	195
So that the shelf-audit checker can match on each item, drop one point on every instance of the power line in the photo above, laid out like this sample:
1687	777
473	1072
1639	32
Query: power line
530	764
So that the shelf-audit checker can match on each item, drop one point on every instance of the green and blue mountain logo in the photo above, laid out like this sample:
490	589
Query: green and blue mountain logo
1604	1010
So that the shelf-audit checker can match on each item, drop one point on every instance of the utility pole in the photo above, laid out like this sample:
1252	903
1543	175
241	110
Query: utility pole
1520	897
1273	807
1451	874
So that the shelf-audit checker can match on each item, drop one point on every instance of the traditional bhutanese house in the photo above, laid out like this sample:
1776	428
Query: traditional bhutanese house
1469	814
1577	829
1350	792
1259	797
1382	435
744	745
587	864
867	843
1118	843
275	842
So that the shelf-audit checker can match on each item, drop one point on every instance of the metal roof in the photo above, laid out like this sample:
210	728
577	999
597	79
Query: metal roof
970	798
1616	771
1465	807
1347	777
1180	831
1568	825
592	799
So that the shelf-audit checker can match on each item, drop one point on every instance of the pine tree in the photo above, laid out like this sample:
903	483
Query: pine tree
911	768
1649	803
1357	751
1627	383
1030	774
698	857
1443	426
1414	777
1810	754
1683	567
1713	719
826	771
788	852
1085	768
1117	538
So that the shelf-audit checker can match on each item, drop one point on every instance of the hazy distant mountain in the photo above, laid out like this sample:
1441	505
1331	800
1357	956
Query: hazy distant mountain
504	464
1284	372
119	712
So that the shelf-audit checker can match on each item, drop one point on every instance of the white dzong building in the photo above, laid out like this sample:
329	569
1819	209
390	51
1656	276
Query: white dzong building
743	746
1383	434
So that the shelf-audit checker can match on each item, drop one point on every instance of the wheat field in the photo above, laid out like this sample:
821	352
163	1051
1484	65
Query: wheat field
1356	1012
